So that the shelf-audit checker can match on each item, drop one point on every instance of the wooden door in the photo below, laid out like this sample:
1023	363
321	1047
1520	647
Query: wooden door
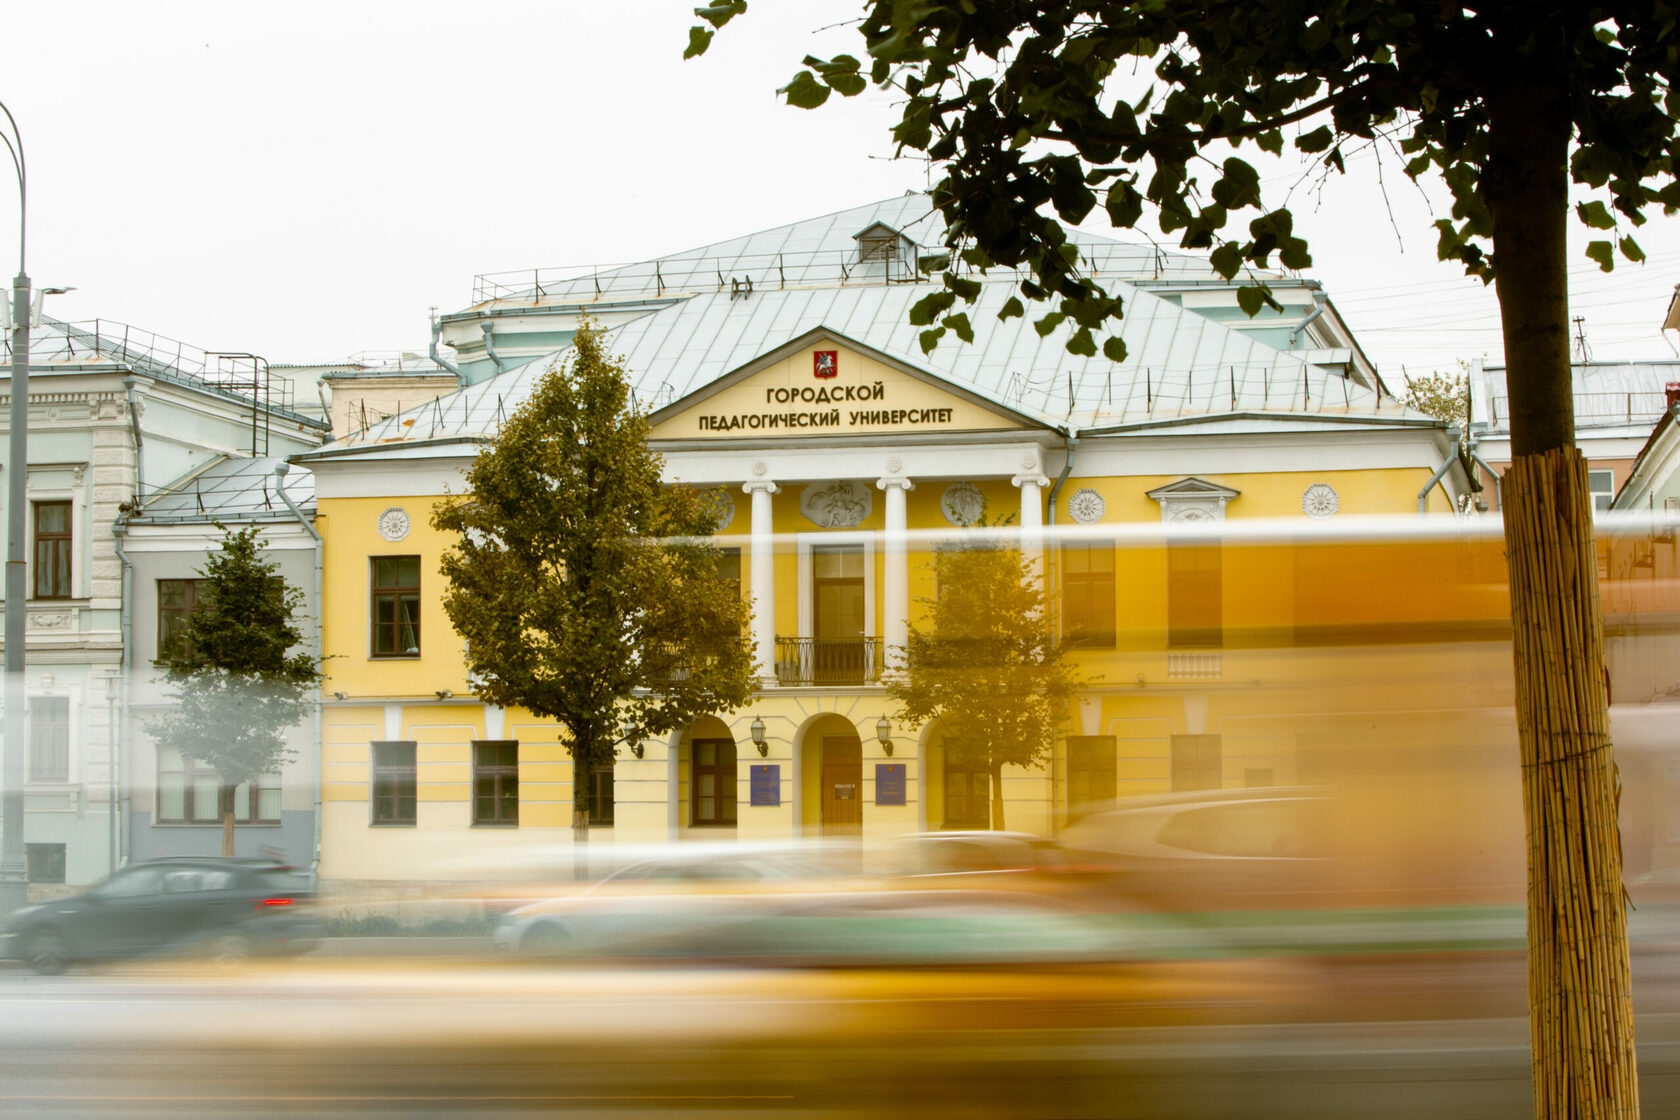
842	786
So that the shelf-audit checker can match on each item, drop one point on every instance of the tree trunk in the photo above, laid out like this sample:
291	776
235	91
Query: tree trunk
1579	981
997	796
224	795
582	782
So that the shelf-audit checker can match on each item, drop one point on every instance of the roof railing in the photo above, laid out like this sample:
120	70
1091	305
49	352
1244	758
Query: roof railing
689	275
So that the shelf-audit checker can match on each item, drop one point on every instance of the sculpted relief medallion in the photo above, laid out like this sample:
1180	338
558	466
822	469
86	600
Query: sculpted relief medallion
836	505
394	524
1087	506
1320	500
962	503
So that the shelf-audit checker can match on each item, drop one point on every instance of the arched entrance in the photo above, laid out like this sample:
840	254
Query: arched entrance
831	765
842	785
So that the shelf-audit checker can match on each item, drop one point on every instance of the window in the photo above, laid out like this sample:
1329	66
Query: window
49	739
729	567
1194	610
1088	595
1602	485
45	861
396	606
1091	770
601	794
968	795
52	550
393	783
1196	762
189	792
177	599
713	782
496	782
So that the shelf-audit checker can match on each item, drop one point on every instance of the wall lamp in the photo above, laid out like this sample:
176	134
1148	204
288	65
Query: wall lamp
883	732
636	749
341	696
758	737
444	694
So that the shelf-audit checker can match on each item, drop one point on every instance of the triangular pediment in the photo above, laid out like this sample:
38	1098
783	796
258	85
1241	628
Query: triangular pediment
824	385
1193	488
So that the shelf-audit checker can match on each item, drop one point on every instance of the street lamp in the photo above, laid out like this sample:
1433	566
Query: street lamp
14	878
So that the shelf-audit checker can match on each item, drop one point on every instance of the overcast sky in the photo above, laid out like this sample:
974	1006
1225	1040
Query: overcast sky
304	181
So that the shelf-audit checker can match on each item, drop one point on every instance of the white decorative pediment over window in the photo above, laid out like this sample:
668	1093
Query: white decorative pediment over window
1193	499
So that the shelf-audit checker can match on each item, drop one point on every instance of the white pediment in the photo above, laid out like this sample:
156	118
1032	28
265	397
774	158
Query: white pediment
1193	499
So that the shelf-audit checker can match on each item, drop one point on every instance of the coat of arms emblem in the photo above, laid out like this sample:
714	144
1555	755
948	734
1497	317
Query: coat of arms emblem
825	363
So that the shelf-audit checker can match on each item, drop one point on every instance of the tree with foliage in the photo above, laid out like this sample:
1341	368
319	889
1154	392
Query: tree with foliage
1445	396
237	682
1040	111
586	588
985	663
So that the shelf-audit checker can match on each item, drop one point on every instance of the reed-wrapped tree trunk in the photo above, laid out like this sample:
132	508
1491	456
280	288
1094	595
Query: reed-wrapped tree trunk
1580	987
1579	980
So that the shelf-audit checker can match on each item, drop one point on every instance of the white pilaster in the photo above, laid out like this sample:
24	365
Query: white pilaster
763	577
895	596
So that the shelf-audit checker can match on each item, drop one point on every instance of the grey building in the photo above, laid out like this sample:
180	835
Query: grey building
114	411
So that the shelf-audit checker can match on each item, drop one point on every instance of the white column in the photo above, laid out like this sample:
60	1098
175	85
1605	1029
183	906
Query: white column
763	578
895	594
1032	514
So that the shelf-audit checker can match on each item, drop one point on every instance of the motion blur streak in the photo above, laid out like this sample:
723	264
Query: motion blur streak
1335	931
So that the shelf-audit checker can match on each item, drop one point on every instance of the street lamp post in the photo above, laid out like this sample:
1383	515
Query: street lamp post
14	879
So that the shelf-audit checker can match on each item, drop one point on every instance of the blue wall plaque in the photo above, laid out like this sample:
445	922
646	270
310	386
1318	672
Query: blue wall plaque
889	783
766	785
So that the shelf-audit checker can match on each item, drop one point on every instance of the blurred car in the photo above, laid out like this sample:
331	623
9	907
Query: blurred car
225	908
962	852
754	905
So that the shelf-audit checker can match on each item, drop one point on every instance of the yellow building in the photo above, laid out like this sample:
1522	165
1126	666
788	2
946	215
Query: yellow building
781	369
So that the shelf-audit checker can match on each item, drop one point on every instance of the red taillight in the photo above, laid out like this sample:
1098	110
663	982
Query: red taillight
275	902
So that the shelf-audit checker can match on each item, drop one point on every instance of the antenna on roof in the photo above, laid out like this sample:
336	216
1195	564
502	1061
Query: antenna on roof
1582	354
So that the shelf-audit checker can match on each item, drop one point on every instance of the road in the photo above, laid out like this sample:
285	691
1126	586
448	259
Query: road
323	1037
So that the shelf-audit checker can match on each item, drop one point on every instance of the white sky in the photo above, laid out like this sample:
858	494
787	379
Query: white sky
304	180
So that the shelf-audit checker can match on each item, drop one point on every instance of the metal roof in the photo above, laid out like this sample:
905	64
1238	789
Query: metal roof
234	377
231	489
821	251
1607	394
1179	363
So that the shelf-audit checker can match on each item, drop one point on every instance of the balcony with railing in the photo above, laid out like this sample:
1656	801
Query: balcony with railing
828	661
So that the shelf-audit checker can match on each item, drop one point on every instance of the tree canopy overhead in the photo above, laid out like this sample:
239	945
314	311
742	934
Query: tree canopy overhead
585	587
1045	112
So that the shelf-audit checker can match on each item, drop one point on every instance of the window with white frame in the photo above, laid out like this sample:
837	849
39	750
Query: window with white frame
1601	483
49	738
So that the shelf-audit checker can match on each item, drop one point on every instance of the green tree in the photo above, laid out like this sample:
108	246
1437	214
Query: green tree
1445	396
1040	111
985	663
237	684
585	587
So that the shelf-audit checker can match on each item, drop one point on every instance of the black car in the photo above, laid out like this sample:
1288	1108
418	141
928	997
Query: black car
226	909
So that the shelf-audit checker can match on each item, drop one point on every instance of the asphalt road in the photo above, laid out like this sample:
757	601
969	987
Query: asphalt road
335	1037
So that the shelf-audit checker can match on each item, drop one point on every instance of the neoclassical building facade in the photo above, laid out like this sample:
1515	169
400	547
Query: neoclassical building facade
781	370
